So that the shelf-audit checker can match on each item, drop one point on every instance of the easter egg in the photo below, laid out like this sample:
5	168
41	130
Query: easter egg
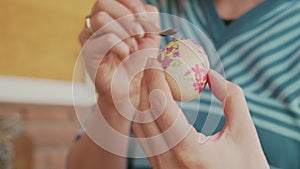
186	65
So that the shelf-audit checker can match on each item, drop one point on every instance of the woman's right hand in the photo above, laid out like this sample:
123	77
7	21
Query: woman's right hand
128	35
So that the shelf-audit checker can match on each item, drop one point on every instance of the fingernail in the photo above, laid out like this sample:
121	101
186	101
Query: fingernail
149	63
217	84
137	7
134	45
138	30
153	63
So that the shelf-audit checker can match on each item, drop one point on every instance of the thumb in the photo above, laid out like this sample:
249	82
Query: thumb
235	107
153	79
144	95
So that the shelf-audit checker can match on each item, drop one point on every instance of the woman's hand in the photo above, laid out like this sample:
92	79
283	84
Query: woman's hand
117	35
236	146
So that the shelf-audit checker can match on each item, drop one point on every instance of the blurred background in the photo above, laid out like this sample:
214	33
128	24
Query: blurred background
38	52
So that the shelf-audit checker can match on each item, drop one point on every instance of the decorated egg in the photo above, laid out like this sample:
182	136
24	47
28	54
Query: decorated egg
186	65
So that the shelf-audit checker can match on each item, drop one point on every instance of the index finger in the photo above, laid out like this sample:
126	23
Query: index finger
235	107
160	95
121	13
136	6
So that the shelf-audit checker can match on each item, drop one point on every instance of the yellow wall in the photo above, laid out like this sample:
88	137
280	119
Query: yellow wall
38	38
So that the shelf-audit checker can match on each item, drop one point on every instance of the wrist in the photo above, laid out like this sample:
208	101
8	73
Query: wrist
109	130
113	117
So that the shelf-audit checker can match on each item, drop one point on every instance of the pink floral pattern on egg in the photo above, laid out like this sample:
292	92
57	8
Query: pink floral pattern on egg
197	74
170	55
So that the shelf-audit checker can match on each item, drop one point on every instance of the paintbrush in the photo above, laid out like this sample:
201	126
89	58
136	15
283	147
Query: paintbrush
151	26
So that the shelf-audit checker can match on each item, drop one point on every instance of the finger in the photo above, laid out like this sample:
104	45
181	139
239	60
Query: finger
171	135
84	35
103	23
136	6
171	120
149	135
117	10
152	15
144	97
217	84
145	128
236	111
158	88
99	47
149	12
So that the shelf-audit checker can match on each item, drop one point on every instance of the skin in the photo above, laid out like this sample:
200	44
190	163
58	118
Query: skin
236	146
85	153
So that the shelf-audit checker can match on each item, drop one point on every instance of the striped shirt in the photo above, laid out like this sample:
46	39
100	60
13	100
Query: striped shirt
260	51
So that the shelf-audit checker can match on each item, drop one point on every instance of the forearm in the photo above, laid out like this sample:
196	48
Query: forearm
88	152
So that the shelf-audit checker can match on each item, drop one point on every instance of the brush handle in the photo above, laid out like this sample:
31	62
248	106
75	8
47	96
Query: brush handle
152	27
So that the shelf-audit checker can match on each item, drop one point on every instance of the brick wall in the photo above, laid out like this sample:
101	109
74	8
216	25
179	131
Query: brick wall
51	130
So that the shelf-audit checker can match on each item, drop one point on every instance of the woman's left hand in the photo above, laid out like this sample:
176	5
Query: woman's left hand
236	146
